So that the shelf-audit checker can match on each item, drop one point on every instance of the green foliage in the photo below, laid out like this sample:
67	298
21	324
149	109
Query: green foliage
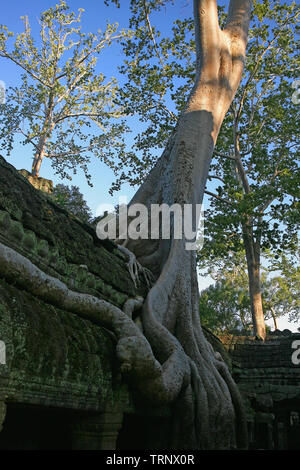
225	305
71	199
281	293
63	108
159	72
224	308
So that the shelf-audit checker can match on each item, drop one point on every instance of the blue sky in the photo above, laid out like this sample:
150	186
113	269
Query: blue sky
95	16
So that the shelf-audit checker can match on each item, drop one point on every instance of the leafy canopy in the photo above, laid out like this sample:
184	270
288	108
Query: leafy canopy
63	108
225	305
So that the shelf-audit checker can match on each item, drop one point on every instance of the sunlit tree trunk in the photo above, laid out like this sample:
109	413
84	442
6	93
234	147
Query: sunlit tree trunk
38	157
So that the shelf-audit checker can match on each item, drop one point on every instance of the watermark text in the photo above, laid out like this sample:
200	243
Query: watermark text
157	222
296	353
2	353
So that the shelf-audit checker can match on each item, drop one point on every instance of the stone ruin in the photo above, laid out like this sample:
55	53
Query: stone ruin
60	385
269	380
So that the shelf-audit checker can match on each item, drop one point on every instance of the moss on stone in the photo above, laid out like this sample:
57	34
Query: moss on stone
54	348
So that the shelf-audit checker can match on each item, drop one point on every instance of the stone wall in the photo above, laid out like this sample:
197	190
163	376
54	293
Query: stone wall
270	384
56	359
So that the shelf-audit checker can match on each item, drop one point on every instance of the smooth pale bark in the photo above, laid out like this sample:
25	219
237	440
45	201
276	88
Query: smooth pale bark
37	161
41	149
47	128
257	312
252	249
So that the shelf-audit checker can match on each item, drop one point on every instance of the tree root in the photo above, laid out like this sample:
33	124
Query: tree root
136	269
133	350
158	365
130	306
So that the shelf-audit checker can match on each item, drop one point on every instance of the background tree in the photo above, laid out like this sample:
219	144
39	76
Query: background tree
192	377
227	300
224	308
63	108
255	203
71	199
255	160
225	305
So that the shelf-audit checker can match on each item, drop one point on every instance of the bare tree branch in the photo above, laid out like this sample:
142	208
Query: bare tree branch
91	115
222	155
210	177
33	75
151	34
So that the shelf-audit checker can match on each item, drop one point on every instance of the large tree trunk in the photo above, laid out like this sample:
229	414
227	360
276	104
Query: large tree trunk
47	129
208	411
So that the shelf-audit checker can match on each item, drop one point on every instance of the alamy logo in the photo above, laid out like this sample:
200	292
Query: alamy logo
2	92
296	354
160	221
2	353
296	94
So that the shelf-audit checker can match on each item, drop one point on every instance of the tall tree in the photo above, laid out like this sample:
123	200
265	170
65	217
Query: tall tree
255	203
63	108
71	199
256	159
